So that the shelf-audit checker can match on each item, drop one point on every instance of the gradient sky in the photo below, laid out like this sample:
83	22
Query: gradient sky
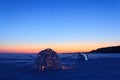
64	25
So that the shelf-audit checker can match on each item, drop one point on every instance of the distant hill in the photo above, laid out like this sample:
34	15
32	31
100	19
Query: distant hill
113	49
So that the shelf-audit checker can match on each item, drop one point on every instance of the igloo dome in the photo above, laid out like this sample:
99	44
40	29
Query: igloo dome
48	60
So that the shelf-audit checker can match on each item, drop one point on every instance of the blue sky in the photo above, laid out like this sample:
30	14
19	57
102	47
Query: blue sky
58	23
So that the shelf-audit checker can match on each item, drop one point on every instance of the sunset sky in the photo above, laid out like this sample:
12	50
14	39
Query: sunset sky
63	25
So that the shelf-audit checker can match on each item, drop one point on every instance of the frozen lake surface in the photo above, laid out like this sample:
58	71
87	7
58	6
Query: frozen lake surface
98	67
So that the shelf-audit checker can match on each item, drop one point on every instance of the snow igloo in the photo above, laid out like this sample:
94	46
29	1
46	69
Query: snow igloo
47	60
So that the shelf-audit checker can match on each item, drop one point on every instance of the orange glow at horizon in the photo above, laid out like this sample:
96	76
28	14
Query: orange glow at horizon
81	47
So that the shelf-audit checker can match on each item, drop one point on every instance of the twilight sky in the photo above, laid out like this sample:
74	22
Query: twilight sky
64	25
